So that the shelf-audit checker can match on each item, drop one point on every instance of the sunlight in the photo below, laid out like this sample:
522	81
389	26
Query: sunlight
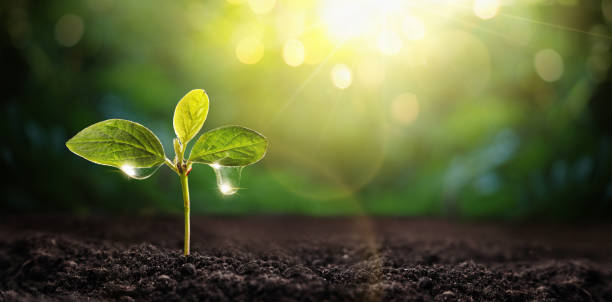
347	19
413	28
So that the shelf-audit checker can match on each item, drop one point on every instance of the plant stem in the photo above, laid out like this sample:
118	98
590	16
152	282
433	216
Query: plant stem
185	186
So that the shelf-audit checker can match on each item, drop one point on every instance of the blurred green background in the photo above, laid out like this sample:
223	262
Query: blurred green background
473	109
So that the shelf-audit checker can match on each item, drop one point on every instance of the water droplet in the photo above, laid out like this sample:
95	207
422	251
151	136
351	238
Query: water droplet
228	178
227	189
139	173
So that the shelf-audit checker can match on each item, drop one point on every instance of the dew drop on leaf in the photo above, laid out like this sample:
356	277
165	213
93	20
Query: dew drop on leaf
139	173
228	178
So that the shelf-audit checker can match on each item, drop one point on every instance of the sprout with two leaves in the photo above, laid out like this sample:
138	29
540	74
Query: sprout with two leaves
132	147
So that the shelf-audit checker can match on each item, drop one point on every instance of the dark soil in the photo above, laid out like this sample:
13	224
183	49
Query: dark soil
63	258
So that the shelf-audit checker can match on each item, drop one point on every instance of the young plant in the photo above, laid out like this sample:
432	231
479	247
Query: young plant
132	147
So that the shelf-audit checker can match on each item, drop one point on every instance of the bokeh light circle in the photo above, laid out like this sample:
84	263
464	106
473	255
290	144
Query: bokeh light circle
486	9
250	50
341	76
549	65
405	108
293	52
69	30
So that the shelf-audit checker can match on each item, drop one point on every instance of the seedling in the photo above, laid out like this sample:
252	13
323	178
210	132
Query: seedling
132	147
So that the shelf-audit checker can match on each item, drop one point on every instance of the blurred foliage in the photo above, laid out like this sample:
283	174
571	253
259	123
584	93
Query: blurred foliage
473	109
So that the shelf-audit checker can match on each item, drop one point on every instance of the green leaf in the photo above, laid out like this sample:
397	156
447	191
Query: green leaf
229	146
190	114
117	143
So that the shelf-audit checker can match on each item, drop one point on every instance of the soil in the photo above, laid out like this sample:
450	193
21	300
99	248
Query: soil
63	258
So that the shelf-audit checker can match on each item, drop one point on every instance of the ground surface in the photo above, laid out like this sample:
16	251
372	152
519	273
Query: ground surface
284	259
